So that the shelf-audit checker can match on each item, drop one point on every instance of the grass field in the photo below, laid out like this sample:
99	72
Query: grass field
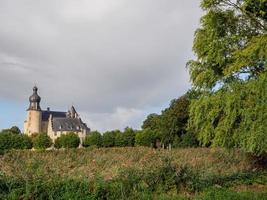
138	173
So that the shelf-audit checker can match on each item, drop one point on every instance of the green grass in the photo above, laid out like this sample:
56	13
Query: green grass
130	173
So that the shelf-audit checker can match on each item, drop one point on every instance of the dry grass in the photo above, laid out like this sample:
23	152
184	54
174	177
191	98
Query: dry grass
107	162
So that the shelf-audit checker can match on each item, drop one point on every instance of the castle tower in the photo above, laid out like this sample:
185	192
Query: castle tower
34	114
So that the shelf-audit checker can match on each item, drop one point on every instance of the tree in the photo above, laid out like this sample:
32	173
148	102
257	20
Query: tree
13	129
129	137
23	141
146	137
152	122
93	139
41	141
230	71
10	140
172	122
174	119
68	140
109	138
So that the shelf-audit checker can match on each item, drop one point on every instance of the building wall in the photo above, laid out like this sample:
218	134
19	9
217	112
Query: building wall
44	126
55	134
33	122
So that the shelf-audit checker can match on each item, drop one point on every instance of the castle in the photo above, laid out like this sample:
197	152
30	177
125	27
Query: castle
53	123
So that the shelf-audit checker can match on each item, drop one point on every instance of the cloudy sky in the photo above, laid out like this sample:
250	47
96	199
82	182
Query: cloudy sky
116	61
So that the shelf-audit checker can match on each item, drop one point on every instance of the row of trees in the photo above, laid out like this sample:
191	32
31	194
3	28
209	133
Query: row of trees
13	139
228	107
127	138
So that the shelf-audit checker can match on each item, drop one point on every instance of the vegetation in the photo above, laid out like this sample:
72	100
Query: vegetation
227	107
41	141
146	137
13	129
93	139
171	124
69	140
130	173
9	140
230	71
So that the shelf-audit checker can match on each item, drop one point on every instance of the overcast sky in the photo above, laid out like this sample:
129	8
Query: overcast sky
115	60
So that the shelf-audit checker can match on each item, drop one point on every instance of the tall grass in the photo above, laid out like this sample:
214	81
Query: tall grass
129	173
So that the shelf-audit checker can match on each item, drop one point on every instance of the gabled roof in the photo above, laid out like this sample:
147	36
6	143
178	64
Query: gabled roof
68	124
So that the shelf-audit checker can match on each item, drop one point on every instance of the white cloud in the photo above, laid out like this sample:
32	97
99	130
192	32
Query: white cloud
119	119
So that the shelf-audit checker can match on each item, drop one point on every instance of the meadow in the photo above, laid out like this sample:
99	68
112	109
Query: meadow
131	173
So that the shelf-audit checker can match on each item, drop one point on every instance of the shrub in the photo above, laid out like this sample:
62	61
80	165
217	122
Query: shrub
10	140
119	140
41	141
69	140
13	129
186	140
109	138
129	137
93	139
146	137
23	141
6	141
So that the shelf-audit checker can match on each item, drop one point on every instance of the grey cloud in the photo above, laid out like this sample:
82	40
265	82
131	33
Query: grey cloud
101	55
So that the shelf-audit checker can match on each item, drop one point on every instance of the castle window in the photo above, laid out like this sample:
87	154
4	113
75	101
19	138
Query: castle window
78	127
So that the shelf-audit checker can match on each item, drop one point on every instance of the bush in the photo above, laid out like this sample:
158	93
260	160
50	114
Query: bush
93	139
129	137
10	140
109	138
13	129
23	141
146	137
186	140
69	140
41	141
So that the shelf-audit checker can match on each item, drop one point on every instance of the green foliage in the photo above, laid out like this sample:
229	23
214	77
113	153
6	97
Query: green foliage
129	137
93	139
69	140
13	129
109	138
226	194
152	122
23	142
236	118
172	121
10	140
41	141
146	137
231	41
126	138
186	140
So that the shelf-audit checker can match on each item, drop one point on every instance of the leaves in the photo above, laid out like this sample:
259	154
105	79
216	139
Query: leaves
233	117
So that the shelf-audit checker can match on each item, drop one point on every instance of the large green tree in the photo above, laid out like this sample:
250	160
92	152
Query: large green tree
230	71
